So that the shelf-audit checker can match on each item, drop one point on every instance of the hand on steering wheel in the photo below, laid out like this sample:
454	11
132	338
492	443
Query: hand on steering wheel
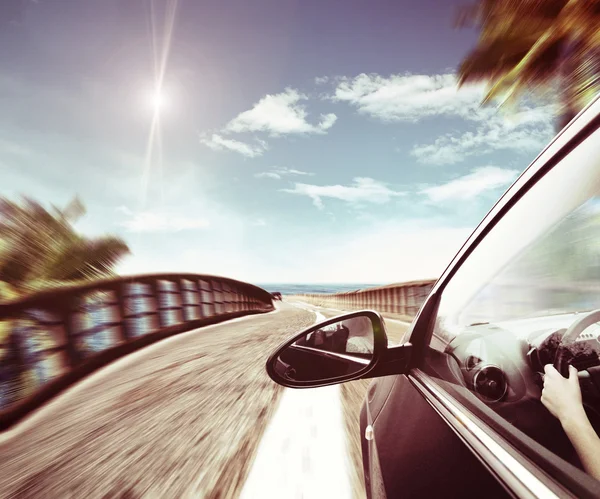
564	355
562	396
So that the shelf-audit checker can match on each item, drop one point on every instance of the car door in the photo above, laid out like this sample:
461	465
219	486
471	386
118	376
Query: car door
415	453
467	420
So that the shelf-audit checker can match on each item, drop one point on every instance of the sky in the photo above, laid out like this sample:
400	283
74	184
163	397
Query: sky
281	141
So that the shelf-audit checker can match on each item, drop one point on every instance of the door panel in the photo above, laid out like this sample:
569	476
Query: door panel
419	455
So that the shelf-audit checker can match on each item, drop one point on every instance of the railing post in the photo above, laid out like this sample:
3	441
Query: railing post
120	296
411	299
65	310
207	298
16	361
217	296
198	288
396	300
188	290
156	291
244	300
403	301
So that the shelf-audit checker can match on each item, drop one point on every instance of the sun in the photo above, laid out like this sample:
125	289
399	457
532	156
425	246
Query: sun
157	100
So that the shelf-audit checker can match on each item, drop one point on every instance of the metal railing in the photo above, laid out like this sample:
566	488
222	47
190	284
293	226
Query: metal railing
54	337
403	299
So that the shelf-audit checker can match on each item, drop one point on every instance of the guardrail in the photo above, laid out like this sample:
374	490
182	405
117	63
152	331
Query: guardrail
50	339
402	299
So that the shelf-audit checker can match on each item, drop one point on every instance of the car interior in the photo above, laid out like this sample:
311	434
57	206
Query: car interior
503	365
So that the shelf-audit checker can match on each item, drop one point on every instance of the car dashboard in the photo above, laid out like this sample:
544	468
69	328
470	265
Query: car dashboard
502	364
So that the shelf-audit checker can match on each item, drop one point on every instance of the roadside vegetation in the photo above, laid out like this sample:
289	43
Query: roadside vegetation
40	247
548	47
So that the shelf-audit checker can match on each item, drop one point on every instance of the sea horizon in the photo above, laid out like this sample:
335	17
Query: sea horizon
294	288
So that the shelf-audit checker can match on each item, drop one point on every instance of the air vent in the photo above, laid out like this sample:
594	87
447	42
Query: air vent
472	362
490	383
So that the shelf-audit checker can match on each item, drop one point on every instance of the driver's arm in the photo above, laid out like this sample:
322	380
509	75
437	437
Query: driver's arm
562	397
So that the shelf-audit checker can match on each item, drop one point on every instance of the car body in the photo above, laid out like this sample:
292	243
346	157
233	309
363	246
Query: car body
455	409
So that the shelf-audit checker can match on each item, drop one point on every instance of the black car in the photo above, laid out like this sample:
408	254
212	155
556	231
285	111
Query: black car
455	410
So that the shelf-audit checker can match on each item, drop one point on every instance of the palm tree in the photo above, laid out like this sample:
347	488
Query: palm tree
535	45
40	247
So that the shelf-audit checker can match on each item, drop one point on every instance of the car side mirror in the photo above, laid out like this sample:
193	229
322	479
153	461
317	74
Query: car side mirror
347	347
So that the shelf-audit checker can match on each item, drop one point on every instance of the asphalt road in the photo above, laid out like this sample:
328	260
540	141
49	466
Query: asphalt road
181	418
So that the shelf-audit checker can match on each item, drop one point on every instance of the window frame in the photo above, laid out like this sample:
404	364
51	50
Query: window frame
554	470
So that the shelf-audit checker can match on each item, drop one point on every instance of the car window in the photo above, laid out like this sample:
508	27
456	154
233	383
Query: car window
545	244
503	314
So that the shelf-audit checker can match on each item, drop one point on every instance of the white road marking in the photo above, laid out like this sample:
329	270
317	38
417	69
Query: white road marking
303	453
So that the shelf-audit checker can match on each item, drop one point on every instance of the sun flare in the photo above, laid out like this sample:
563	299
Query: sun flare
157	100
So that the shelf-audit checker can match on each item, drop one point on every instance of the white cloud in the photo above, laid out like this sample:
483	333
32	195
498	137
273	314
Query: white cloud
472	185
528	131
279	172
291	171
408	97
364	189
279	114
321	80
327	121
218	143
411	98
148	221
274	175
262	143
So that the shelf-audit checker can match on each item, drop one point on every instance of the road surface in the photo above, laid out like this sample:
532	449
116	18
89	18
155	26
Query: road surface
181	418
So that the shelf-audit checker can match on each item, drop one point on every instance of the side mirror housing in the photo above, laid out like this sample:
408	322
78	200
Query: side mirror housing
344	348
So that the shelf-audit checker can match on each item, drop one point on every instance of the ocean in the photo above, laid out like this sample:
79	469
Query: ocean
292	289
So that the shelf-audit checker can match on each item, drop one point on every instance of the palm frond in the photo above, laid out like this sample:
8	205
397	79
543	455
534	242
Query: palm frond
524	45
493	60
537	67
87	259
40	246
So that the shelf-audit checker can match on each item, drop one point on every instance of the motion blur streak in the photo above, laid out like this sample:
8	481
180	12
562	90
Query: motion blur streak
183	419
303	453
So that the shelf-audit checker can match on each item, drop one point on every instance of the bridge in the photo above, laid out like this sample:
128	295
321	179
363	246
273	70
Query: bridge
154	386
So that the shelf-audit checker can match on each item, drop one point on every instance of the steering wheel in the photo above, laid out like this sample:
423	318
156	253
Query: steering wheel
563	355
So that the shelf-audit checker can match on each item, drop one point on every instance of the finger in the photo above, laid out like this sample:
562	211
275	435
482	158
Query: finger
573	377
550	370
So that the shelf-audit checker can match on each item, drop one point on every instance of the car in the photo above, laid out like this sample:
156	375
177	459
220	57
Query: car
276	295
454	410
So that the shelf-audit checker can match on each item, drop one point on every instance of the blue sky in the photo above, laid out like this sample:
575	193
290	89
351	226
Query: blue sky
297	141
